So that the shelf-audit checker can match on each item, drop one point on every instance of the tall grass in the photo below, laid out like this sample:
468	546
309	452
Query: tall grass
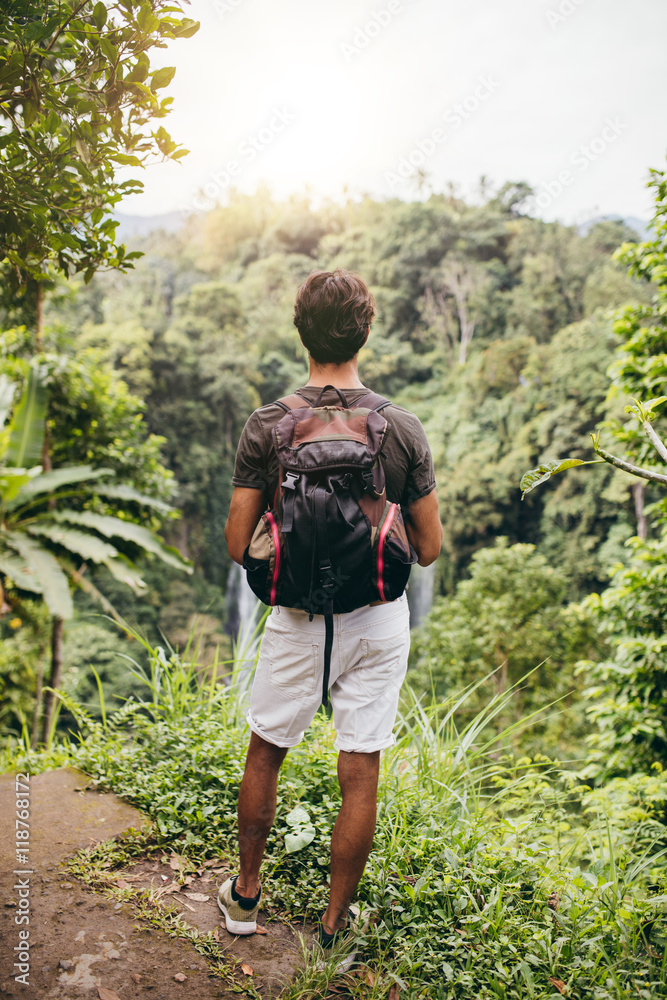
492	875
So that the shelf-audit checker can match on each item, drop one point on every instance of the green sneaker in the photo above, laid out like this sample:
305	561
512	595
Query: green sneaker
240	913
339	945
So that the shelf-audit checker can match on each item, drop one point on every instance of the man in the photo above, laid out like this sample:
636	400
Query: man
333	314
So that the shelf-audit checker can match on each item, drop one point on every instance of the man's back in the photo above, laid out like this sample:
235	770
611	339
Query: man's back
406	455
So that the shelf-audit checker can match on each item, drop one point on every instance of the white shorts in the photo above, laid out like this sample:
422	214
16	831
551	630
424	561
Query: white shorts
369	660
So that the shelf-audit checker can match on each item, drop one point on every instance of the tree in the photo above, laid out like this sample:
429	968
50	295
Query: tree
462	280
46	543
77	96
77	99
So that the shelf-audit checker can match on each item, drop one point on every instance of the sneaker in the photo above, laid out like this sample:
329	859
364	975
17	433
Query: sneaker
340	944
240	913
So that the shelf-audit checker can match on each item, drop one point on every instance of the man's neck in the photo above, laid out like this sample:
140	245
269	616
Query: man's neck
345	376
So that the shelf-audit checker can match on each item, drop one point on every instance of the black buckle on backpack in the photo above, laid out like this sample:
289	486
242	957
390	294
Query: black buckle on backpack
291	479
369	483
327	580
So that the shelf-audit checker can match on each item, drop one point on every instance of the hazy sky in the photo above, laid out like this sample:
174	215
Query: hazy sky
568	95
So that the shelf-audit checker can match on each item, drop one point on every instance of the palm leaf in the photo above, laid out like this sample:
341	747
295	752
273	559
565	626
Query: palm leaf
45	569
48	482
123	570
123	492
113	527
26	431
91	548
20	572
82	543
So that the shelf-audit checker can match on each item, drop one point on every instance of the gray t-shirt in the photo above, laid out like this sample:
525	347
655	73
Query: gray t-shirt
408	463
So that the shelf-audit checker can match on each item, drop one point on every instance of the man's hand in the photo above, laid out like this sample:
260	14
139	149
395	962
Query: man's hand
422	523
245	510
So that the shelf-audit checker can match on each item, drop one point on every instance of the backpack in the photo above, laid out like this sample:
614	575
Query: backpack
331	541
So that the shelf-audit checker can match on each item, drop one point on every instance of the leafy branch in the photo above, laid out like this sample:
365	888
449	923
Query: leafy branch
644	412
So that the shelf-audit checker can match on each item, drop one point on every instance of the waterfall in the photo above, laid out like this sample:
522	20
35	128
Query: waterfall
243	610
420	593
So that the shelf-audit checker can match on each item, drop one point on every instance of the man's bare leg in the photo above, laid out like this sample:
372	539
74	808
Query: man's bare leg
257	808
353	833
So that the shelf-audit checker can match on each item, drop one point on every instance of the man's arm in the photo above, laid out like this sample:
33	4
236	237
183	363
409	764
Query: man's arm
245	510
422	523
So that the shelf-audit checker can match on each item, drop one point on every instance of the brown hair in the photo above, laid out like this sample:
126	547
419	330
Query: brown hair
332	313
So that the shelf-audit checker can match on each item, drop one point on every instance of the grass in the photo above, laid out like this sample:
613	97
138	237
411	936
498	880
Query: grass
491	876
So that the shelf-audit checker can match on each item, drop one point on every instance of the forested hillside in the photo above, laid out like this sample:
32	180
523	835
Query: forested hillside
494	327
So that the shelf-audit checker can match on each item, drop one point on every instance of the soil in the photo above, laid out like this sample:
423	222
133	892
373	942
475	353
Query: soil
83	944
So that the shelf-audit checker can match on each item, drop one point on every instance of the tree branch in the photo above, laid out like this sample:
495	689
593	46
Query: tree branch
634	470
655	440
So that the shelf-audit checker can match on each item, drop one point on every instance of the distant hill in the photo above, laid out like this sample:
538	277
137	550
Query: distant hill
170	222
640	226
142	225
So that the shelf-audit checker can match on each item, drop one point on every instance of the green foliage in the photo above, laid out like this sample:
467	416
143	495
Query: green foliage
630	687
88	646
24	644
77	97
641	366
36	544
509	618
46	544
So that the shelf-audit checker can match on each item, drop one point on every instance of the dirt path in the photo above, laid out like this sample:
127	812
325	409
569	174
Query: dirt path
80	943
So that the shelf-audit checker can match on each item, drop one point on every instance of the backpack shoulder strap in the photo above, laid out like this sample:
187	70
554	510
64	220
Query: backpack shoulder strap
373	401
292	402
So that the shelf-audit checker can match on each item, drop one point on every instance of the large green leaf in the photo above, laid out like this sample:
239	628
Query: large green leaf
44	568
81	543
26	431
19	571
543	473
122	492
48	482
303	831
113	527
92	548
123	570
297	841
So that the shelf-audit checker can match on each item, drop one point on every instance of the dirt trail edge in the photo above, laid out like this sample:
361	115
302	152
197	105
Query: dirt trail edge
79	944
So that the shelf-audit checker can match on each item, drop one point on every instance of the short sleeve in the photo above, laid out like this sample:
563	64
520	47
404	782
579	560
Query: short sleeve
251	467
420	479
